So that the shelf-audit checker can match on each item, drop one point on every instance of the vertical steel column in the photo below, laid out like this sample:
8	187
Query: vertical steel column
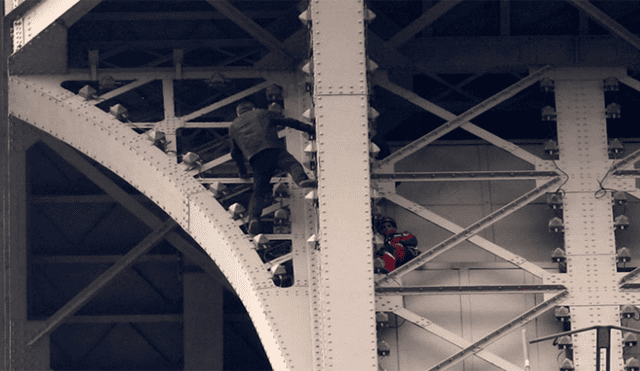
5	46
203	322
341	110
23	357
303	215
589	234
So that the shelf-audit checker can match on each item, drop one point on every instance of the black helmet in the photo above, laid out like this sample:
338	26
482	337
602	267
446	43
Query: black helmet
382	222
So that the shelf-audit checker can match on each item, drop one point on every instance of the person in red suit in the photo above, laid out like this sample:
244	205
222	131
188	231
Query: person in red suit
399	247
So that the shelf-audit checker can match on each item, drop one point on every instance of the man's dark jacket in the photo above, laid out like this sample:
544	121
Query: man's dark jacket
257	130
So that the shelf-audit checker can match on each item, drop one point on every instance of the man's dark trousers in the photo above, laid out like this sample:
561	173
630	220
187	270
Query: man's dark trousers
265	165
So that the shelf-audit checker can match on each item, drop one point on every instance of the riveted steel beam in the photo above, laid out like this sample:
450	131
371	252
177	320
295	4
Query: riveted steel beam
469	290
83	297
607	22
462	176
121	90
469	231
226	101
381	79
500	332
422	22
462	119
134	207
251	27
453	339
476	240
341	112
155	174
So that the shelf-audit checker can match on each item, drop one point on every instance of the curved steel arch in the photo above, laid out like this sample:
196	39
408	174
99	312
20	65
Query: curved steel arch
51	108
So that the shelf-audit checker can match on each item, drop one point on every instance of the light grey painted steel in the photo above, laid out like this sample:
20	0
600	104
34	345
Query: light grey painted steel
469	231
454	339
589	234
120	149
341	112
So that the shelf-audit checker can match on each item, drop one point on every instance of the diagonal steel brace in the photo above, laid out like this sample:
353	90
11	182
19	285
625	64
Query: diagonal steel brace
469	232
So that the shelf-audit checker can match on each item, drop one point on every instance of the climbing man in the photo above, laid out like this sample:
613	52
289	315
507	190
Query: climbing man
254	136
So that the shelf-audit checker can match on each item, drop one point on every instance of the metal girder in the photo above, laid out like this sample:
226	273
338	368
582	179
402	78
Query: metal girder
427	18
462	176
500	332
226	101
468	54
505	17
236	180
458	86
100	259
251	27
463	118
476	240
468	232
20	10
382	80
454	339
626	173
453	87
175	16
134	207
341	111
6	217
607	22
629	276
83	297
136	318
121	90
469	290
122	150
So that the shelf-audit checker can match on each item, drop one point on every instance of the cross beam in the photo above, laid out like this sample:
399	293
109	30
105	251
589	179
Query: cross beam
465	117
193	253
468	232
422	22
482	243
381	79
453	338
500	332
251	27
92	289
607	22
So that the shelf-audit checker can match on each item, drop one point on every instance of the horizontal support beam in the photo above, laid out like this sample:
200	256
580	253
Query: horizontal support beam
463	118
607	22
174	16
482	243
469	290
100	259
462	176
470	231
233	180
160	73
138	318
500	332
81	199
630	286
469	54
627	173
92	289
452	338
188	125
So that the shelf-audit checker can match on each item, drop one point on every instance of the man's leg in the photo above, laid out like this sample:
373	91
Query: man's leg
288	163
263	165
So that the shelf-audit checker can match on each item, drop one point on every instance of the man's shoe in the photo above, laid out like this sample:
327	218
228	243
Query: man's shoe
309	183
254	227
